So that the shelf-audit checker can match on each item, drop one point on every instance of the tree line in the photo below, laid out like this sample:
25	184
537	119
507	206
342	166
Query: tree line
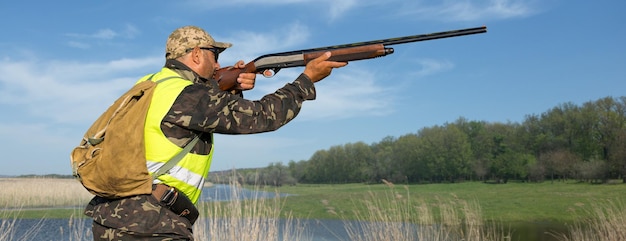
586	143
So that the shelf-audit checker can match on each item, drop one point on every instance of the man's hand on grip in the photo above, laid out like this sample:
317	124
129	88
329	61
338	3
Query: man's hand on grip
245	81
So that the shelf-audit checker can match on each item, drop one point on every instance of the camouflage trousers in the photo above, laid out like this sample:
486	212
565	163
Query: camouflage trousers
136	218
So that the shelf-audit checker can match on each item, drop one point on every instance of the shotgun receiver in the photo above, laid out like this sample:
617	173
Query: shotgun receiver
227	77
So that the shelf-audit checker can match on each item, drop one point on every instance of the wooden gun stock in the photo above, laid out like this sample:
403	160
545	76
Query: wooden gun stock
227	77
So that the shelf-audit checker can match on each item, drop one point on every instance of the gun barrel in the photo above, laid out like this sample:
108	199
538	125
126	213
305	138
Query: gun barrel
430	36
390	41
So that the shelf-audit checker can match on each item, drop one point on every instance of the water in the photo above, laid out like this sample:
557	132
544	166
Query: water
51	229
315	230
60	229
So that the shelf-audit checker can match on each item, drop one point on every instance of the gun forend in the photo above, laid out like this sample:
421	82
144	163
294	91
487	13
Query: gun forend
352	54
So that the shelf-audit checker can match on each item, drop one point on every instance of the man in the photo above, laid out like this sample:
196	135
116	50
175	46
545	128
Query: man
189	104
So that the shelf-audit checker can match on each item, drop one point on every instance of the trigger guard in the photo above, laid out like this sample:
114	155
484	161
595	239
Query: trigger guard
268	73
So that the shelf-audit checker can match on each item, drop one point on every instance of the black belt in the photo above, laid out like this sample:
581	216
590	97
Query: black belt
175	201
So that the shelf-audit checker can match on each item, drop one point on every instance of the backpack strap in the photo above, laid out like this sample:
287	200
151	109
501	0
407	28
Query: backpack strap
172	162
161	80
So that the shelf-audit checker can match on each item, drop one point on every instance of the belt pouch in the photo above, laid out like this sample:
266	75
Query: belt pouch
175	201
185	208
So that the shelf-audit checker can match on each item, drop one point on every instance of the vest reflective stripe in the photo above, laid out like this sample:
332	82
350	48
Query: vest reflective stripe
177	172
189	174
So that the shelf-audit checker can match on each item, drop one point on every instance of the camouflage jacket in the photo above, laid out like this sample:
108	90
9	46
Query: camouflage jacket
203	108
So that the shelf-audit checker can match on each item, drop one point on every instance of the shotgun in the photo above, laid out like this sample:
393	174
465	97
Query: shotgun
227	76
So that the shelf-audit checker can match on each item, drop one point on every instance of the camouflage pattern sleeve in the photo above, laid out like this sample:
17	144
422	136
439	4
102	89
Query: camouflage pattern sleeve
205	108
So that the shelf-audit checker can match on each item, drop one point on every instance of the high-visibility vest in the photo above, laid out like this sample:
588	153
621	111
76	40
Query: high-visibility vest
189	174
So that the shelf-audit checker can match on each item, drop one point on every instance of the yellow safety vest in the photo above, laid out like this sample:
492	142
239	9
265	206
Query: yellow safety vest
189	174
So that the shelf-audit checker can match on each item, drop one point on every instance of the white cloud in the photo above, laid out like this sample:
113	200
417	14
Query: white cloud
447	10
78	45
99	34
104	34
466	10
249	45
348	93
37	148
427	67
260	149
339	7
129	31
68	91
335	8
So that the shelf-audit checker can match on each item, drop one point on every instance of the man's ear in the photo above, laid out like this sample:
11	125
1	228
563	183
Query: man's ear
195	55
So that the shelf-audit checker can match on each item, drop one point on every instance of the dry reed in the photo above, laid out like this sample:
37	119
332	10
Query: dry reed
249	219
42	192
607	222
395	216
24	193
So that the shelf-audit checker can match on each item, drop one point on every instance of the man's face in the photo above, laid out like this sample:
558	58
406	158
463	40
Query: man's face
212	54
207	61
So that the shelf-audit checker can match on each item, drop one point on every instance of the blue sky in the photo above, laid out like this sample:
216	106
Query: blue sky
63	62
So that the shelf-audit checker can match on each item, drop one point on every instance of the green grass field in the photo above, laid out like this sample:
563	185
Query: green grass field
511	202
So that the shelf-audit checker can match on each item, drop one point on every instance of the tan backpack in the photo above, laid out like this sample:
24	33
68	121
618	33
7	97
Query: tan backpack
110	160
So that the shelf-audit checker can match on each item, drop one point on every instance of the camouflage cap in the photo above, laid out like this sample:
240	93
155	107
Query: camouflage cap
188	37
